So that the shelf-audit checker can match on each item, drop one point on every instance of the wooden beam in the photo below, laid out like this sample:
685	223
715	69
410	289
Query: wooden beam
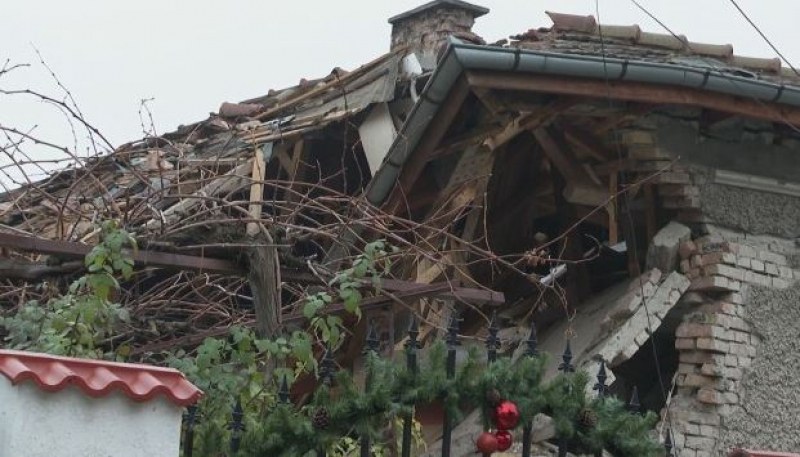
69	249
635	92
587	142
529	121
430	140
579	187
256	191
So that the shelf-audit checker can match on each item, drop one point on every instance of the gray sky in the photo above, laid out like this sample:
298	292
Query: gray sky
189	56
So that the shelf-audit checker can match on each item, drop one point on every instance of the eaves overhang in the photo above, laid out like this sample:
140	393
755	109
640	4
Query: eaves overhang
461	58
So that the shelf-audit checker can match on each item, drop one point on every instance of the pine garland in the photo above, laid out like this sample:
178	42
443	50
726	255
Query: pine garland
394	390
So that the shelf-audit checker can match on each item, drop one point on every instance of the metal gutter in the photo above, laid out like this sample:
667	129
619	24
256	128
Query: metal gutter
461	57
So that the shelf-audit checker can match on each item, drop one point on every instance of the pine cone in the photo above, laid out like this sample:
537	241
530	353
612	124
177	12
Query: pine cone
493	397
587	419
321	419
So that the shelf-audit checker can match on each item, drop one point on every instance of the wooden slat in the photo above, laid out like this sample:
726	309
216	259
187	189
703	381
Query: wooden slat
256	191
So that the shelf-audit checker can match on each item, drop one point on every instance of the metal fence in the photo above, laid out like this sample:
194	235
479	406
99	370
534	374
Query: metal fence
412	346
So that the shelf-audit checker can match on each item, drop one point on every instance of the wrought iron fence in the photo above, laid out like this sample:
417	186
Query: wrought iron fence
412	347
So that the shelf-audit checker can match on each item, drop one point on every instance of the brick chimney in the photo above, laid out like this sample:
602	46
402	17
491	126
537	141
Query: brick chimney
426	28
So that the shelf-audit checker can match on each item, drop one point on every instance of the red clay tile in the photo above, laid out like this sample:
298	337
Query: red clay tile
98	378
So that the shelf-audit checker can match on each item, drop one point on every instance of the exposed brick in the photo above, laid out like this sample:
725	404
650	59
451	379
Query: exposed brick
736	274
785	272
712	345
711	397
747	251
780	283
757	265
710	283
759	279
694	330
767	256
743	262
700	357
771	269
687	248
685	343
712	370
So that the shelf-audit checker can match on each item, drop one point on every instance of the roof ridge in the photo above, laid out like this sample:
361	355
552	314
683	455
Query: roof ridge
566	22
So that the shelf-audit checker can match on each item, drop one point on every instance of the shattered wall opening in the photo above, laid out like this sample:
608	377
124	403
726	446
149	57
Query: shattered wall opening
650	375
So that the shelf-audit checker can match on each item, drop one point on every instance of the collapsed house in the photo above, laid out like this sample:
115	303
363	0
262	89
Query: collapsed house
635	193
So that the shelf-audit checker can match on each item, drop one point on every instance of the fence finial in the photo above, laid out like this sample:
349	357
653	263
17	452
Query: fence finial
452	330
532	342
493	341
236	426
283	391
566	364
668	443
373	342
634	405
601	386
413	334
327	366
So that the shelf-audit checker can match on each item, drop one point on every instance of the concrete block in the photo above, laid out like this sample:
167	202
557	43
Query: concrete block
757	265
663	250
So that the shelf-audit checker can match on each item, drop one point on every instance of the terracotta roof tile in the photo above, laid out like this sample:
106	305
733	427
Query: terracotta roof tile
98	378
629	41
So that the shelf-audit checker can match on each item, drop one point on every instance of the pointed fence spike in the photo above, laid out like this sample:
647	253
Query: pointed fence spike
452	330
413	334
236	426
566	364
493	341
634	406
283	392
602	376
327	366
668	443
532	342
373	342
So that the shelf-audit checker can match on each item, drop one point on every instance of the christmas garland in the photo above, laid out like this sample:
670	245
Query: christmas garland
393	390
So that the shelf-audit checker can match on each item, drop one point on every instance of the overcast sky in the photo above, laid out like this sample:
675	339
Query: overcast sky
191	55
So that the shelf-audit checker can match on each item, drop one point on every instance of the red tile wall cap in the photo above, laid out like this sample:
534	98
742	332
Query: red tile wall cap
98	378
749	453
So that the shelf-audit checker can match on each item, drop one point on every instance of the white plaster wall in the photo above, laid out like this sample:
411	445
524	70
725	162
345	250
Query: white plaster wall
68	423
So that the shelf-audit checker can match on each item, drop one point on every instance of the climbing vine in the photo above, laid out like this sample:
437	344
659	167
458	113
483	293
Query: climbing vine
81	322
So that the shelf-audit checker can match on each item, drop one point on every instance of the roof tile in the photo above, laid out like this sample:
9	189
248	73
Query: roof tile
98	378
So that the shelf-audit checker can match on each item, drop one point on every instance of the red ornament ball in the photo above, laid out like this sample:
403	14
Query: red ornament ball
487	443
506	415
504	440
